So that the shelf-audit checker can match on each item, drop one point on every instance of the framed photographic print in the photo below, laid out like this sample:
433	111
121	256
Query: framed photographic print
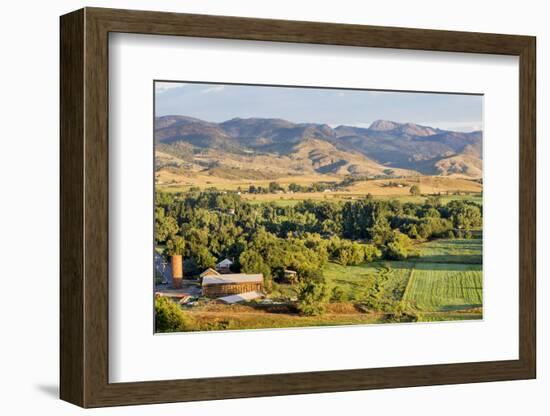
244	200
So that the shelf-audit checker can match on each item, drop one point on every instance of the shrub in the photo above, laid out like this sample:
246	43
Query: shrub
169	317
338	295
373	295
415	190
399	247
351	253
371	252
313	295
403	313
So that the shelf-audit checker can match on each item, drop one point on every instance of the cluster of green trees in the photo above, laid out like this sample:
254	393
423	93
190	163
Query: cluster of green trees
376	220
314	293
274	187
207	226
169	317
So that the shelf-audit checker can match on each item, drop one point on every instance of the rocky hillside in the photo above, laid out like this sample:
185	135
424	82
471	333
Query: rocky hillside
280	147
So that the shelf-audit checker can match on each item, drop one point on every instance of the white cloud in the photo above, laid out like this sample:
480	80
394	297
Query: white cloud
213	90
462	126
364	125
161	87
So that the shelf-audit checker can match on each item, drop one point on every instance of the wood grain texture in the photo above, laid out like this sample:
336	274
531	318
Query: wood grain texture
527	207
71	218
84	207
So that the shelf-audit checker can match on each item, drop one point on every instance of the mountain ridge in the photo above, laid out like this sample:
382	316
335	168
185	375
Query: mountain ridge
384	148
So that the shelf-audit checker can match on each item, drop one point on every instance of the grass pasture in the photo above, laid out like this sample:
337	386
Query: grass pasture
448	187
437	287
352	279
444	281
293	199
465	251
246	317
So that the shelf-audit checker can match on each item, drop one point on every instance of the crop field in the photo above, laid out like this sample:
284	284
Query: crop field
308	221
444	287
449	188
290	200
352	279
467	251
445	280
438	280
445	277
443	283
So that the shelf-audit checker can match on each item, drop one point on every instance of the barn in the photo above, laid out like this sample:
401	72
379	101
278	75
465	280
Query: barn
215	286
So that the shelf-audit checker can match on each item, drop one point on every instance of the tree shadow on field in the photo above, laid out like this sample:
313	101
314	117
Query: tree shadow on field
458	308
285	308
353	284
449	259
442	263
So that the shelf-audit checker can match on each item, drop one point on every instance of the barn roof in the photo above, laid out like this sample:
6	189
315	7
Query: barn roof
241	297
209	271
232	278
224	262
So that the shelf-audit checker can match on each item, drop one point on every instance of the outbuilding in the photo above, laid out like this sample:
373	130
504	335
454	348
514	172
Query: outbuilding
231	284
224	266
290	276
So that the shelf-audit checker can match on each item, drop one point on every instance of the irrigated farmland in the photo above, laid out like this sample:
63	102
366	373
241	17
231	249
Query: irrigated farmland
468	251
440	287
271	222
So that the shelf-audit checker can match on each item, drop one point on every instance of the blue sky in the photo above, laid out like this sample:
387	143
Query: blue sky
220	102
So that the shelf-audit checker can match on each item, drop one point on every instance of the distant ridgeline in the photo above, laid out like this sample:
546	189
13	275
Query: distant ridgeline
258	148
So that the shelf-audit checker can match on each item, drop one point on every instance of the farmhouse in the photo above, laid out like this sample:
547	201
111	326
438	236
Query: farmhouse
224	266
231	284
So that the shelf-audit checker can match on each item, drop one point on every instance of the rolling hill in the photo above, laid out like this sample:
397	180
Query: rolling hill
276	147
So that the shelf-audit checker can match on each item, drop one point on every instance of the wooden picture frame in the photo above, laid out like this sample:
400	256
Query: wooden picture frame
84	207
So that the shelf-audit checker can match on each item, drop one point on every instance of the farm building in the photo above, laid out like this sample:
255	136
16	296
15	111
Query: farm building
231	284
209	272
224	266
290	274
242	297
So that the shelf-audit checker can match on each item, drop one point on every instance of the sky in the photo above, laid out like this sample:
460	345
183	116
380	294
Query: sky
221	102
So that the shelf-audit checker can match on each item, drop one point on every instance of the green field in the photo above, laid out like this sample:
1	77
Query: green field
279	202
440	287
443	283
285	201
466	251
435	291
352	279
445	277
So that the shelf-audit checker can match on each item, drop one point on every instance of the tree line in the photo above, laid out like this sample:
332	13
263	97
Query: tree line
206	226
